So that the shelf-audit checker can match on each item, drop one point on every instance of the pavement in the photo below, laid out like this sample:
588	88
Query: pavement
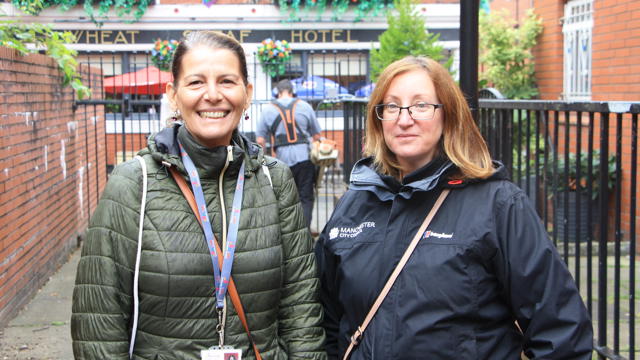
41	331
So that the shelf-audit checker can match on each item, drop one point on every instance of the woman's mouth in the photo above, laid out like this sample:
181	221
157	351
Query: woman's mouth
213	114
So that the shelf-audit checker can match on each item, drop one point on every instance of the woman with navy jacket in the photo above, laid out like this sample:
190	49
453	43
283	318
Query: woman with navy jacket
484	282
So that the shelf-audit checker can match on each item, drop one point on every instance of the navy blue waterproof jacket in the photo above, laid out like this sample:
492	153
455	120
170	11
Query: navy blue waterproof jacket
484	262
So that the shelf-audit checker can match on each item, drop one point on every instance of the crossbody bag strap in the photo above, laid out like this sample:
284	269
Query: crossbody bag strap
355	338
233	292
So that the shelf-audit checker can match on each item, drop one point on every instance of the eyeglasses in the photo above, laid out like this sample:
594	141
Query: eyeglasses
418	111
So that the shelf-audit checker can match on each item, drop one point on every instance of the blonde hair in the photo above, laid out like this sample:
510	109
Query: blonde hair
461	140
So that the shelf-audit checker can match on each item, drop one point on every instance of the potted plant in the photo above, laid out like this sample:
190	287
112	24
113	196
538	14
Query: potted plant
273	55
162	53
567	189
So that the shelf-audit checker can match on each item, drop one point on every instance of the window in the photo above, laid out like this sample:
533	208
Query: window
577	28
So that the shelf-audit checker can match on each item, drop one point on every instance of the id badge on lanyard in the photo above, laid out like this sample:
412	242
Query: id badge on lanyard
221	353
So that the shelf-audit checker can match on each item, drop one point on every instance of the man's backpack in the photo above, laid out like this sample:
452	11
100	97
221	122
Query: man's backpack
293	133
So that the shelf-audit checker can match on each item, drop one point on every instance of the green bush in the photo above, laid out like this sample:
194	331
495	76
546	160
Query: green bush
506	53
406	35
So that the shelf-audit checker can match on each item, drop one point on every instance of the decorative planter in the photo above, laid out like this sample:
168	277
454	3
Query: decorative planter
274	55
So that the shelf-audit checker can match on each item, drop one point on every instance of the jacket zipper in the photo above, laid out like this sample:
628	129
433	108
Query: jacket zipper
223	214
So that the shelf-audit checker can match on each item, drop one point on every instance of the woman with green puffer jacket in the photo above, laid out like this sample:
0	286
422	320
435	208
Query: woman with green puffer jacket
184	307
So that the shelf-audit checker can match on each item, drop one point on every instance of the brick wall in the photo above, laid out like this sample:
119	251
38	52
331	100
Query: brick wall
616	43
548	52
52	169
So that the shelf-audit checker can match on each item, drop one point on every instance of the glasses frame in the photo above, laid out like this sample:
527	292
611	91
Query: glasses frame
379	106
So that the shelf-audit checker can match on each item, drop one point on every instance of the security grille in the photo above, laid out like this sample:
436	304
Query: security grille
577	30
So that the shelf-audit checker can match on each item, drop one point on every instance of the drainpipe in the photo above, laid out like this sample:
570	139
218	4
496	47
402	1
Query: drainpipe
469	10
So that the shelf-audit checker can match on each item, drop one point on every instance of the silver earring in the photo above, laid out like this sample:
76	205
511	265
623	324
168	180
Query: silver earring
175	115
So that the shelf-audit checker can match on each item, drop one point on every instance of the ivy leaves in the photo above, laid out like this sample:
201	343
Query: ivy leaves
33	37
137	8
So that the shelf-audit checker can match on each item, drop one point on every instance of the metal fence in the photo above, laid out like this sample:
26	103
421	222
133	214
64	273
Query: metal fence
578	164
133	108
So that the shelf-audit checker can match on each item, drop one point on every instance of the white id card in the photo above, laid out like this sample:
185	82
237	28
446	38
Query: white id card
217	353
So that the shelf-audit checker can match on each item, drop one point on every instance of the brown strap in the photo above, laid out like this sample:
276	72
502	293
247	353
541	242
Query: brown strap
233	292
355	338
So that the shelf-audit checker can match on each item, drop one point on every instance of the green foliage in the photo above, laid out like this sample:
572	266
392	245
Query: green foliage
571	182
29	38
122	7
505	53
298	9
406	35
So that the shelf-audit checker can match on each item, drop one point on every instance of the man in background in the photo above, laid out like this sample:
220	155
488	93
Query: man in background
289	122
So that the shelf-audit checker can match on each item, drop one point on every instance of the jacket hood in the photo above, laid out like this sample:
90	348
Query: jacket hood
163	147
439	172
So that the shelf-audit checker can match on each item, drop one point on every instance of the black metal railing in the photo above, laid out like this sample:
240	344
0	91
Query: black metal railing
577	161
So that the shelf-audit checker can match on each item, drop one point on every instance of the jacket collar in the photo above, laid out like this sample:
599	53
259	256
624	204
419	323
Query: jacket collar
365	177
438	172
164	148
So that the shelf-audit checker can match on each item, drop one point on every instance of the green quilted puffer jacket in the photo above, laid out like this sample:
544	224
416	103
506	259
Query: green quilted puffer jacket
274	267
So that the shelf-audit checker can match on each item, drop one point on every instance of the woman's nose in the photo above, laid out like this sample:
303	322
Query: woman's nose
404	117
212	93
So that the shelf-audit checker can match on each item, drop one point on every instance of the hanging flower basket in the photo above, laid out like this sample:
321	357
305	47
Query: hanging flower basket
274	55
162	53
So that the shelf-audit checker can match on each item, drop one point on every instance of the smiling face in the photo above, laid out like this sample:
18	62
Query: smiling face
210	94
414	142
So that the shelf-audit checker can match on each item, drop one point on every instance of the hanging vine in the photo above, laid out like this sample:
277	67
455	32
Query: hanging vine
94	8
298	9
30	38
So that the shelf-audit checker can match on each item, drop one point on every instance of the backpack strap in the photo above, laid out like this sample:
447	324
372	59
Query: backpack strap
293	133
136	273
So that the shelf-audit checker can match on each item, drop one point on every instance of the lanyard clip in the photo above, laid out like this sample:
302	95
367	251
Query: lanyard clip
220	326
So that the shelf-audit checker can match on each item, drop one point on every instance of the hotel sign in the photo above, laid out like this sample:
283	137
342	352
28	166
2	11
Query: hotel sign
129	37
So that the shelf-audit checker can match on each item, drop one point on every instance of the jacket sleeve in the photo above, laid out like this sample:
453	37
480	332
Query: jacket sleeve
328	295
300	313
102	295
538	286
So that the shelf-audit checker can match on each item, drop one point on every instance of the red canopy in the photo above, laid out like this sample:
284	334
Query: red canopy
147	81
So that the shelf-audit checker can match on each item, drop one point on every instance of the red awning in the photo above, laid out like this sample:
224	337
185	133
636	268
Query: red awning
147	81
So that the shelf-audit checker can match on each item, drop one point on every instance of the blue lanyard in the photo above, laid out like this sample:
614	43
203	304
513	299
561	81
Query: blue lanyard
221	279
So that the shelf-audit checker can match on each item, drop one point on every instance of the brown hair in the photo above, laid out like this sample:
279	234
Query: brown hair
461	140
213	39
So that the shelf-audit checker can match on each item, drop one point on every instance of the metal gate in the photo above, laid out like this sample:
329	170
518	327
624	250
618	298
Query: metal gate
132	113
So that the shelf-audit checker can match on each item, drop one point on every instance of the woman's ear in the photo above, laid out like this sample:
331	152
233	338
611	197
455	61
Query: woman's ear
171	96
249	89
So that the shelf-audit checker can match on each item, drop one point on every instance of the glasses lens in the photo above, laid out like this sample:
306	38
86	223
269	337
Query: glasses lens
387	111
422	111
